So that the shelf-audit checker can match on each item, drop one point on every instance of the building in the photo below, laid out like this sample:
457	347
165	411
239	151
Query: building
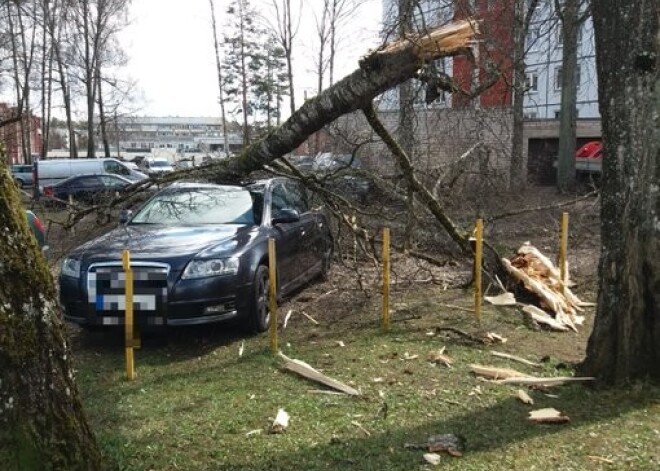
488	117
11	135
181	134
544	67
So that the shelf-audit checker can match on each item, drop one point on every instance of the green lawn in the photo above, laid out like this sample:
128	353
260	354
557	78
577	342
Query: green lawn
195	400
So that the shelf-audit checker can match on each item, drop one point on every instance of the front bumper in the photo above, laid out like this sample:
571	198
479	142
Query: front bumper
188	302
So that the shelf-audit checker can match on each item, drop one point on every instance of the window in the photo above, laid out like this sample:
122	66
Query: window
558	78
532	37
278	199
531	115
297	197
531	82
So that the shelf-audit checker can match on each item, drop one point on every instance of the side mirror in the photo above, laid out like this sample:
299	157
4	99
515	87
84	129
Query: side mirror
286	215
125	216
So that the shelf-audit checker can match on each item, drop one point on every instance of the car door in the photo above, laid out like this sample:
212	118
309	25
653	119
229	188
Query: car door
85	188
309	256
287	240
111	186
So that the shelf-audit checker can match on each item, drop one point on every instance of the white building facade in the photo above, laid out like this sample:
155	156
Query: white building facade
543	66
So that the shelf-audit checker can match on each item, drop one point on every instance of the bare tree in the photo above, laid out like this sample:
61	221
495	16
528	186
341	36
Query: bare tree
523	14
221	86
285	28
572	15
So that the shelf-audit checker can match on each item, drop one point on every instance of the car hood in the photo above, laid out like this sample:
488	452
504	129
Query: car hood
173	245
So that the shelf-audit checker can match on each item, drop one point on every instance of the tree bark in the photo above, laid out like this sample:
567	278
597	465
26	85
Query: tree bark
406	117
570	26
625	342
42	424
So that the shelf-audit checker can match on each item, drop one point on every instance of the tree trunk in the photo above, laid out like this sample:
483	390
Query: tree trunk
221	86
102	117
567	115
406	116
517	169
625	342
378	72
42	424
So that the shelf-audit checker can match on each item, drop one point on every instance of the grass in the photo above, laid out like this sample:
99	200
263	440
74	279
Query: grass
195	400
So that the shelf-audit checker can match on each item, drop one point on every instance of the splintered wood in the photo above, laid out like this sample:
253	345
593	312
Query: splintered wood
539	276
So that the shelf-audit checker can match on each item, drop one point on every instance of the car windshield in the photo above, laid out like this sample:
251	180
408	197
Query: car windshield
194	206
159	163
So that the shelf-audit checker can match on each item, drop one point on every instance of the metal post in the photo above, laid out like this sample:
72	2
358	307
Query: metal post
478	251
129	336
563	246
386	279
272	294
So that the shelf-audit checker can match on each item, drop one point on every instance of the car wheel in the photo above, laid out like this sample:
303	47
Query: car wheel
258	315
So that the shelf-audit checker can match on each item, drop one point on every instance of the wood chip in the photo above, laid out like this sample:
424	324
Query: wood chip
524	397
549	415
492	372
600	459
325	391
437	356
508	356
495	338
432	458
305	370
543	382
286	318
314	321
281	422
241	349
504	299
364	430
542	317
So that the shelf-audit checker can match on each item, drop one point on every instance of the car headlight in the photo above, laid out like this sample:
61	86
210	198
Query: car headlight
212	267
71	267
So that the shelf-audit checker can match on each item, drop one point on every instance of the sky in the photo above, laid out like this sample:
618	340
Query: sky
171	55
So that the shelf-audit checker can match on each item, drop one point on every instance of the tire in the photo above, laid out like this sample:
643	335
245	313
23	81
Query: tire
258	315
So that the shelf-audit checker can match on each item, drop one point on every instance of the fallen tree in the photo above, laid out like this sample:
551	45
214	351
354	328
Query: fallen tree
41	413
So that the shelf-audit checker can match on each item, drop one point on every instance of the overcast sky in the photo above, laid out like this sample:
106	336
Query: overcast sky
170	46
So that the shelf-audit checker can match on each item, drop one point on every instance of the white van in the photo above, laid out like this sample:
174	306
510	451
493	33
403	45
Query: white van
51	171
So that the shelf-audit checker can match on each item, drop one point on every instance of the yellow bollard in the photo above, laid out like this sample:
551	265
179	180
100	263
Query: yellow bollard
478	252
272	294
386	279
70	200
563	247
129	334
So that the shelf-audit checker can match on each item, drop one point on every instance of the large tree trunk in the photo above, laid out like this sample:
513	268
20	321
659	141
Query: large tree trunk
570	25
625	342
42	424
378	72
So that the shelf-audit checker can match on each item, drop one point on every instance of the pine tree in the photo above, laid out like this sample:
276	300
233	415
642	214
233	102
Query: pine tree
243	58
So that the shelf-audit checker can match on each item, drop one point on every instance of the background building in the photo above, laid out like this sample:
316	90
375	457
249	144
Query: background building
10	136
181	134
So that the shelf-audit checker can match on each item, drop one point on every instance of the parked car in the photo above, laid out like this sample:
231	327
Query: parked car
339	170
22	175
135	174
156	166
52	171
199	253
90	189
